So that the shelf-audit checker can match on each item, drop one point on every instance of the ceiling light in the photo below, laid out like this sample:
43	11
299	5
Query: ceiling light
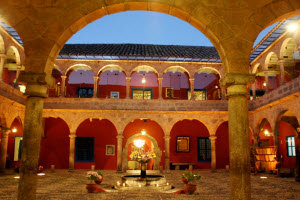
292	27
14	130
266	132
139	143
265	84
143	132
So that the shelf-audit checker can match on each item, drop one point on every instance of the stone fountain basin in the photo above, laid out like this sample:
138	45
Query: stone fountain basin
138	181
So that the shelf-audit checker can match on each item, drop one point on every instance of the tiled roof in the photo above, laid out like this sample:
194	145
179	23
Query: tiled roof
139	52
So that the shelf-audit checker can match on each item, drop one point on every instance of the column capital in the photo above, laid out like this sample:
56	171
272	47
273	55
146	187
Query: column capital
281	61
236	79
72	136
19	66
192	79
120	137
3	55
63	77
160	79
213	138
167	137
36	84
96	77
128	78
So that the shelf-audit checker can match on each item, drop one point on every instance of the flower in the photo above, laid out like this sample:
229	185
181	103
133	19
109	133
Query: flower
93	175
191	176
100	173
141	156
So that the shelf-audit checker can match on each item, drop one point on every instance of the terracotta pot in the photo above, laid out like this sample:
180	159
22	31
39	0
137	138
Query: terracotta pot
184	180
91	187
99	180
190	188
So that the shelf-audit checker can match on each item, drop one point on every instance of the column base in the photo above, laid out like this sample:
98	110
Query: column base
71	170
120	171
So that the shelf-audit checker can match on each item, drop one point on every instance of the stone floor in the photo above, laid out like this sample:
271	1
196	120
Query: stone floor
64	185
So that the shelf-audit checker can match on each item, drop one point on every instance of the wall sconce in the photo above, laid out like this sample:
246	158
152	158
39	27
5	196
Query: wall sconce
266	132
143	79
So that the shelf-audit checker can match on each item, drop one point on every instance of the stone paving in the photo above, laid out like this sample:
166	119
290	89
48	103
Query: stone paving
64	185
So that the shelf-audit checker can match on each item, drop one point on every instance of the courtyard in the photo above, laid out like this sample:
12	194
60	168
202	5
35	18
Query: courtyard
64	185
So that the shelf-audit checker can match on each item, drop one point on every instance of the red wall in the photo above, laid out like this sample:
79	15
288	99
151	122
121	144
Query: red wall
55	145
222	146
104	133
104	91
194	129
152	128
9	76
11	140
286	130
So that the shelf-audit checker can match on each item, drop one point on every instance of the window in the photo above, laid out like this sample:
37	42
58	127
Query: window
142	93
84	149
84	92
290	144
204	149
199	94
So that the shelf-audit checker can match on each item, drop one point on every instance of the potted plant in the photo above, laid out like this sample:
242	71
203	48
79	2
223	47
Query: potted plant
91	187
142	157
99	180
191	176
40	169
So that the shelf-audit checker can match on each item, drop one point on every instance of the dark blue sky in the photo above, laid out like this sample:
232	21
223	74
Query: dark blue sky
142	27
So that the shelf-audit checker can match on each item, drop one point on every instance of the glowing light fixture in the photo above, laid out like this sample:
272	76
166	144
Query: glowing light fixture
58	83
265	84
263	177
216	86
143	132
41	174
266	132
292	27
139	143
144	79
14	130
16	177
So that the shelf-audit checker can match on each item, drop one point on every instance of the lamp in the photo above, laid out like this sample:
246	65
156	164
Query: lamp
266	132
144	79
143	131
14	130
139	143
292	27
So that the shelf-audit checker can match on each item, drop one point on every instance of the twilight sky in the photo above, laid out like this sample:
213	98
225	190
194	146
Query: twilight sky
143	27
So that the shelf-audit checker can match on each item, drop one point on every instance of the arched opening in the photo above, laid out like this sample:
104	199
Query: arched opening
144	83
190	143
273	71
222	146
265	134
55	144
14	147
80	82
12	67
286	129
56	74
175	83
96	142
112	82
207	84
153	134
260	84
288	55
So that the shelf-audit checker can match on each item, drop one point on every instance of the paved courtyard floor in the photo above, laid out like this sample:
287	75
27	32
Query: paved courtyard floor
64	185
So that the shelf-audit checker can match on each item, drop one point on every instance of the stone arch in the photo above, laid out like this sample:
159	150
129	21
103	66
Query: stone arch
174	121
257	68
145	68
3	123
156	150
210	70
2	45
19	119
76	121
178	68
78	66
288	46
271	62
111	67
16	53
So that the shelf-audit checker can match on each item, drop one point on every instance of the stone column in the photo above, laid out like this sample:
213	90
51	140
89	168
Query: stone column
167	153
17	76
72	151
36	91
267	80
119	152
223	90
160	88
192	88
238	122
95	86
63	86
2	62
3	150
128	79
253	91
281	65
213	152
